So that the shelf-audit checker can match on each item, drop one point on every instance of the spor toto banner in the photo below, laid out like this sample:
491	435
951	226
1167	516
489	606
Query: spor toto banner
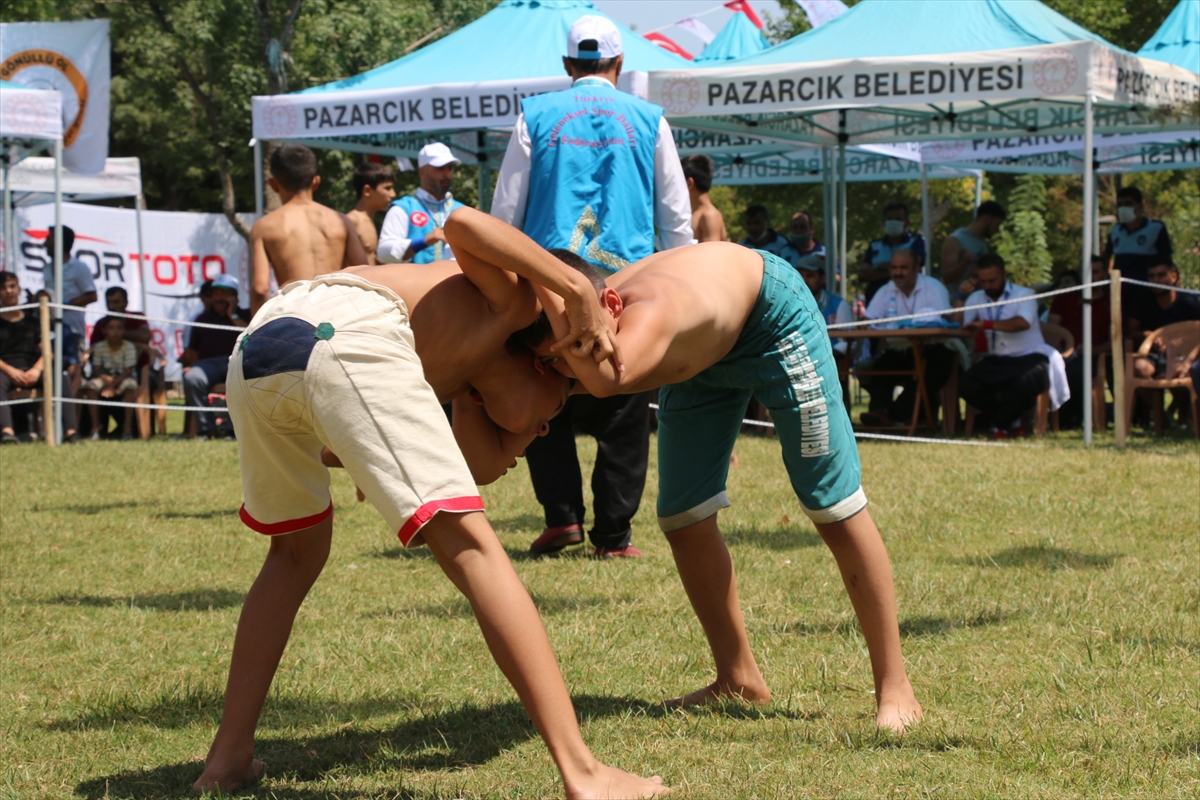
72	58
182	251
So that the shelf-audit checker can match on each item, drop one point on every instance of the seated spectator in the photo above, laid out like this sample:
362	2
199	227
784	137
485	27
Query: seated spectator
1067	310
962	249
206	358
876	269
113	363
137	331
21	360
803	241
909	292
833	308
1007	382
1158	307
761	236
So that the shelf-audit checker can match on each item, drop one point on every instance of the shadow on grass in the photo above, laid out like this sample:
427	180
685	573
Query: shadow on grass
214	513
1044	556
465	736
459	608
91	509
772	538
200	706
523	523
195	600
402	553
914	627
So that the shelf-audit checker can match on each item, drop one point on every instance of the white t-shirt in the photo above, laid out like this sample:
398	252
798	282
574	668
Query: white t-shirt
1021	343
929	294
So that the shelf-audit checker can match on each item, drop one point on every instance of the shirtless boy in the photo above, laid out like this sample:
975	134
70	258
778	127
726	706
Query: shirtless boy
358	363
375	187
712	325
707	223
302	238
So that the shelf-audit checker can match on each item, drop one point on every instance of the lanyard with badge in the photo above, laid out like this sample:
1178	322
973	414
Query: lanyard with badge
438	213
997	317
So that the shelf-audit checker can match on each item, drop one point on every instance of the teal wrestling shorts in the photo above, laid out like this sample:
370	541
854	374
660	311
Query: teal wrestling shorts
784	359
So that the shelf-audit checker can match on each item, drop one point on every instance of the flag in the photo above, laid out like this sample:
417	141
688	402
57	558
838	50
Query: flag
821	11
745	7
668	45
694	26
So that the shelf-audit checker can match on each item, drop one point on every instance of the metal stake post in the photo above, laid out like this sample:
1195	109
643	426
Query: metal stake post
1089	198
58	298
925	217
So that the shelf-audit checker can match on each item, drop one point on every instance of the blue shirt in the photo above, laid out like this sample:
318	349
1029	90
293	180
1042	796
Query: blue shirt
1135	252
77	281
778	245
879	252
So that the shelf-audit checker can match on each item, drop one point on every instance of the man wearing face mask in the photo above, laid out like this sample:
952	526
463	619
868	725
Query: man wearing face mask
963	248
761	236
1135	244
877	261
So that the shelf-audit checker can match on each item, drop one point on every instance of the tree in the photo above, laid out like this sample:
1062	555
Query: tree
1022	240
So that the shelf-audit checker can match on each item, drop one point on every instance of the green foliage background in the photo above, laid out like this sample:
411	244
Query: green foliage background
155	114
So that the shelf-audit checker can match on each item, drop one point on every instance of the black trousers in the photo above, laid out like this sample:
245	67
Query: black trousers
939	362
1004	387
621	426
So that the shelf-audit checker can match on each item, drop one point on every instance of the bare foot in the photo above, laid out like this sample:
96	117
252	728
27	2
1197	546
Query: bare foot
719	691
228	780
609	783
898	710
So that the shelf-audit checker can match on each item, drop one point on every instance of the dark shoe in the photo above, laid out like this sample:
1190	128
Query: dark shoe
8	438
554	539
628	551
73	438
879	419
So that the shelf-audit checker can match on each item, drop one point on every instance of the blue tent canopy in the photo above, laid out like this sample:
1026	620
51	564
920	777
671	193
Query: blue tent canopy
1177	41
517	39
738	39
896	28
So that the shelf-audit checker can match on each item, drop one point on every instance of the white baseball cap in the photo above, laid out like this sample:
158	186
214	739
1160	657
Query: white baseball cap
437	155
593	38
225	281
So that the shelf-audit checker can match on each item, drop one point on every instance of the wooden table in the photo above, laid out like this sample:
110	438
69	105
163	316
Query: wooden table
917	337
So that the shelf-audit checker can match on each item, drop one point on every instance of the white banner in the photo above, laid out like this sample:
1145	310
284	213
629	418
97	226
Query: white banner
182	251
451	106
821	11
73	58
30	114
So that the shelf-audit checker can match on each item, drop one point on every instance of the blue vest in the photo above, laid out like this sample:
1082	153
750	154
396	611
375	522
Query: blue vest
829	305
591	176
423	217
1135	252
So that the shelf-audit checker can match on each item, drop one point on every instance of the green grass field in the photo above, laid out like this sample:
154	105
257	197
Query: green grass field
1048	602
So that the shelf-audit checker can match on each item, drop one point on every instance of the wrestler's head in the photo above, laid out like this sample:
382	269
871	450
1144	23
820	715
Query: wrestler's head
519	393
539	337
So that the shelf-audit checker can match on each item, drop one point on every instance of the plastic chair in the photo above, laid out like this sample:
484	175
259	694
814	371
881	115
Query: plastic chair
1179	338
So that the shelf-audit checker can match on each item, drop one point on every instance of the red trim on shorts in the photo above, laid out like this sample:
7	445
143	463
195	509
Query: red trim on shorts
287	526
425	513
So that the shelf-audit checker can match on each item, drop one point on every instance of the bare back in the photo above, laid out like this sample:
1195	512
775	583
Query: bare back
303	239
684	310
364	226
708	225
457	335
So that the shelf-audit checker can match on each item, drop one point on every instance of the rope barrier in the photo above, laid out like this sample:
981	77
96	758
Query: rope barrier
945	311
1159	286
123	315
116	404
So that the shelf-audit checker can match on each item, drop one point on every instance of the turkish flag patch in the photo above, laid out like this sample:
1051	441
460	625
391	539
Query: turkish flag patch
420	219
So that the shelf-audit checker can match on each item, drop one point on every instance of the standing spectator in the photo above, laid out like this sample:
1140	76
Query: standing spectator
113	363
412	229
1006	383
1135	244
79	290
375	188
876	269
909	292
707	223
206	359
761	236
804	240
1067	310
962	249
21	360
600	185
834	309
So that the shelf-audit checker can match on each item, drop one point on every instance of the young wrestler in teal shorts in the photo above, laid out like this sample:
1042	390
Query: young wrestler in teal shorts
712	325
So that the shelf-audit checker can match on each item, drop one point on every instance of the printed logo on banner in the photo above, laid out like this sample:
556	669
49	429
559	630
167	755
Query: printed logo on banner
280	118
680	95
61	75
1056	71
948	150
27	115
420	219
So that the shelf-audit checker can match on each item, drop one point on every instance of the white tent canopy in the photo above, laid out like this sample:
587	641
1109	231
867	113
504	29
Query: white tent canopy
29	114
32	182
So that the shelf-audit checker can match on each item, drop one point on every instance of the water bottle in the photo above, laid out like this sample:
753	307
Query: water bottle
891	309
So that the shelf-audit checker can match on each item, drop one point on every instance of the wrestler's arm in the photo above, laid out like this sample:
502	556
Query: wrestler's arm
489	450
260	269
486	248
354	254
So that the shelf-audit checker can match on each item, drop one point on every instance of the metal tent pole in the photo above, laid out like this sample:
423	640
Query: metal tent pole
485	172
1089	199
978	188
841	266
258	177
137	210
925	218
10	257
58	298
828	212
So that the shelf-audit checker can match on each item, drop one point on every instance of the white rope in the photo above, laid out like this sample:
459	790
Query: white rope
942	312
119	404
192	324
1160	286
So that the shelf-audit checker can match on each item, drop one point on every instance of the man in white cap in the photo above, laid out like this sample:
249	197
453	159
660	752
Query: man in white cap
594	170
412	229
